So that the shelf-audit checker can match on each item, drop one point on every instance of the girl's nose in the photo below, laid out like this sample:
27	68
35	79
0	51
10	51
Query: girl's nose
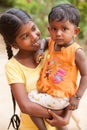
38	32
36	35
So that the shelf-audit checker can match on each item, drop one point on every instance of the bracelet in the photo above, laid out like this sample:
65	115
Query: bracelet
41	49
77	97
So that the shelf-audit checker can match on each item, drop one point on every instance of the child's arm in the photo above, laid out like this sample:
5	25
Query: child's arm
43	46
81	62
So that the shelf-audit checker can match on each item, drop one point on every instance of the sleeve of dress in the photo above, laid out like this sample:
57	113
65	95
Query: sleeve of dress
14	74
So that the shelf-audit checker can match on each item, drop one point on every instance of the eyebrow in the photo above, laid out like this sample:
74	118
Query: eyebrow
22	35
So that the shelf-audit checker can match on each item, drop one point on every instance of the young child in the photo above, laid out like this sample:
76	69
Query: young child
57	85
19	31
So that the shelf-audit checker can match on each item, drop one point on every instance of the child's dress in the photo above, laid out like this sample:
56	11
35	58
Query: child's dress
58	78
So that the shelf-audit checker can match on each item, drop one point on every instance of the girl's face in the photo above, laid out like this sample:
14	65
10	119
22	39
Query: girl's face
27	37
63	32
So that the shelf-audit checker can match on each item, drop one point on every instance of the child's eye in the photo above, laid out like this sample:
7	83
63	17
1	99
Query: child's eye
64	28
53	28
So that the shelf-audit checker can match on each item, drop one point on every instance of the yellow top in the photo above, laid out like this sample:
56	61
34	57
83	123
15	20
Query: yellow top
16	72
59	74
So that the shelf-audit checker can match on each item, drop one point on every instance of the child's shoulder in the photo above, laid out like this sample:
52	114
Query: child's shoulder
76	45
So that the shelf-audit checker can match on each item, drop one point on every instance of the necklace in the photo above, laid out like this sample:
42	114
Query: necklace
58	47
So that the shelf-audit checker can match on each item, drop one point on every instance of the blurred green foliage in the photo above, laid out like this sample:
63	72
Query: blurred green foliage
39	10
7	3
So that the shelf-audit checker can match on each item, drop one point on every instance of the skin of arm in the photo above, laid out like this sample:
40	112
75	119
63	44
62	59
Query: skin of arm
44	43
33	109
81	63
39	55
60	120
25	105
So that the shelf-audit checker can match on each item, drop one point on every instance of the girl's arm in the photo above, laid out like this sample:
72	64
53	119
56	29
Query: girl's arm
26	106
33	109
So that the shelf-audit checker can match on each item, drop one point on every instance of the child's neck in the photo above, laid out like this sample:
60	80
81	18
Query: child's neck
58	47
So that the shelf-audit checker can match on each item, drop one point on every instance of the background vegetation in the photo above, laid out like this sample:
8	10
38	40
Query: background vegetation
39	10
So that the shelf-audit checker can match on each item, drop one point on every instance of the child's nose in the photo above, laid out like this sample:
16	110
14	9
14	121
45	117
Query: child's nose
59	32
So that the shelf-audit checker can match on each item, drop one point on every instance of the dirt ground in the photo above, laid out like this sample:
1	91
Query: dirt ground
79	117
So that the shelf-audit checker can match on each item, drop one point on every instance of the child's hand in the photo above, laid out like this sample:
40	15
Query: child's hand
74	103
39	55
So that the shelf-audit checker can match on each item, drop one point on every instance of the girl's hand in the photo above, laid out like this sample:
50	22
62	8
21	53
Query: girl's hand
56	120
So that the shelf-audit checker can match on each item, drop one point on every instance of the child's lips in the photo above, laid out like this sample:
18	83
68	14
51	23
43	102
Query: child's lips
59	40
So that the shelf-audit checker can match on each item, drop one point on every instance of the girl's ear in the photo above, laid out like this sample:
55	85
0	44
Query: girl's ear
77	31
14	45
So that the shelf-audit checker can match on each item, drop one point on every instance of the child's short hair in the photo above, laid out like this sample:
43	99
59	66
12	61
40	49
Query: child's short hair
64	12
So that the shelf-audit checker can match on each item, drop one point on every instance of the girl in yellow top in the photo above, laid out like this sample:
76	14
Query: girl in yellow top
19	31
57	85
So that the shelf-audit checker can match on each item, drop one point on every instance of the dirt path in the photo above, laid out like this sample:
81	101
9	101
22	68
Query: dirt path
6	108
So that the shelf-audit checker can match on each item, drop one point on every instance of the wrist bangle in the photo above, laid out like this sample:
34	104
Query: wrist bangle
77	97
41	49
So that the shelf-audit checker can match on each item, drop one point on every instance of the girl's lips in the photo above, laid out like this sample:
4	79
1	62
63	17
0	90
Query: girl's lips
36	44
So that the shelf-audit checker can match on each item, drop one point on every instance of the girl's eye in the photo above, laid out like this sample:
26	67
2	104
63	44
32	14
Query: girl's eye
24	36
34	28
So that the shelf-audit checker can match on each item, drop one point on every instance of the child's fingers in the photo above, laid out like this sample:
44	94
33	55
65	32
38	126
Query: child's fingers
39	58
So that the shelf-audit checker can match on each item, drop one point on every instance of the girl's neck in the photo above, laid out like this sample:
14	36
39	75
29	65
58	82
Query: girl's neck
26	58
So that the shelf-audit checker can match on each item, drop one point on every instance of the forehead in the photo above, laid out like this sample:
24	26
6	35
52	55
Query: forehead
61	23
27	27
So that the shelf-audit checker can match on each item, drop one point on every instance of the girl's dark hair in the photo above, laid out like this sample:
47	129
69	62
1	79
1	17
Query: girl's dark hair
10	23
64	12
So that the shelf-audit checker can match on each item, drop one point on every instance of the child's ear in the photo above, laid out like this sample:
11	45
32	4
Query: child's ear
77	31
48	28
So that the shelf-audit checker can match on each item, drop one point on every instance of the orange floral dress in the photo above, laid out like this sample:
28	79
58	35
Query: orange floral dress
59	74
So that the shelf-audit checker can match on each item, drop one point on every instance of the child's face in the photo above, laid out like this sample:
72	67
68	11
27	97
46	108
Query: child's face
63	32
27	37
